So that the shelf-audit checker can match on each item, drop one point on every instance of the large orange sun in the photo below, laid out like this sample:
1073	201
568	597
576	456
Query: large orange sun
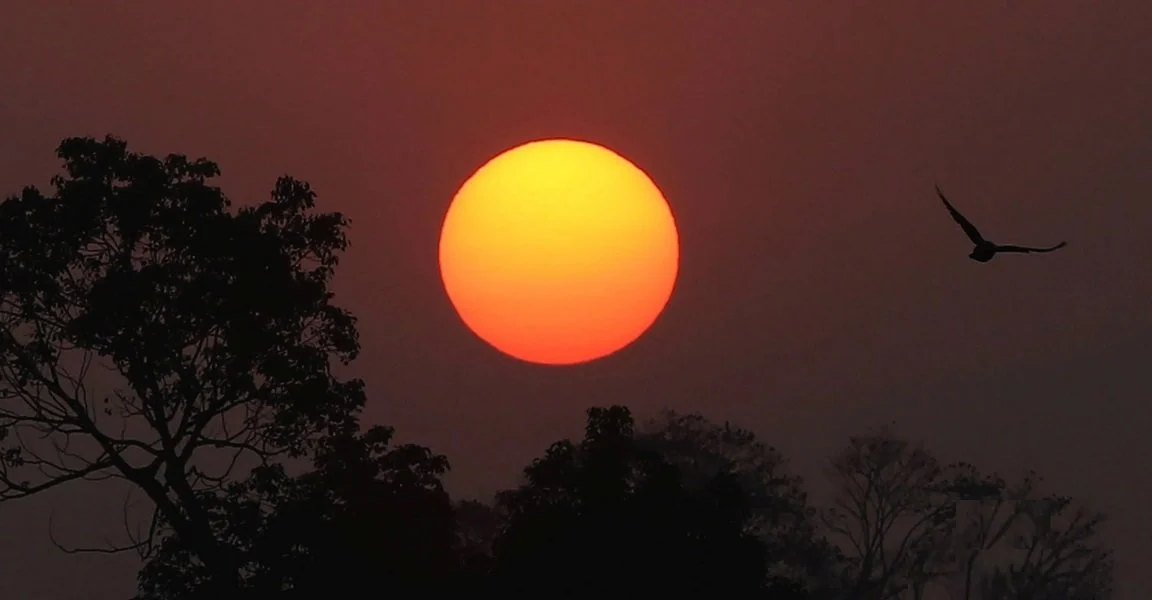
559	252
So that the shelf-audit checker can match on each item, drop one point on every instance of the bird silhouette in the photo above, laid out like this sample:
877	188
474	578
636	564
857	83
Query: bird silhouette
985	250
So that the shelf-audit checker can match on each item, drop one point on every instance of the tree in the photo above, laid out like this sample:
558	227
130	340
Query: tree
892	513
477	527
1014	542
214	330
368	515
780	515
907	523
608	516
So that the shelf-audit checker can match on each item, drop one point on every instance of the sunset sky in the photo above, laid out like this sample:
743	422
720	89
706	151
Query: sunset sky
822	290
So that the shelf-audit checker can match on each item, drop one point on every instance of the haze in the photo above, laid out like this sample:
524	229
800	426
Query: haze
823	289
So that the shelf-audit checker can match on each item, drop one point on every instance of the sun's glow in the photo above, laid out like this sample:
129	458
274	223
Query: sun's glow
559	252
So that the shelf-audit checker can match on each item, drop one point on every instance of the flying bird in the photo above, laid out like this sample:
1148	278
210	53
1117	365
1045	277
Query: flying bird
985	250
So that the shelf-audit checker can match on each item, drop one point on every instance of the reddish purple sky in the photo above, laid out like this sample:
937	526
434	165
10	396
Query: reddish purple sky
823	289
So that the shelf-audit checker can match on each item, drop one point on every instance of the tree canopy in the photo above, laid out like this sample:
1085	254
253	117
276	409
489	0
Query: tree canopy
907	523
368	513
150	333
606	516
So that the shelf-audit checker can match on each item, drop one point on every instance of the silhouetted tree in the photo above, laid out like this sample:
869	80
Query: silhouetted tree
214	331
907	523
369	515
1014	542
892	513
607	516
779	513
477	526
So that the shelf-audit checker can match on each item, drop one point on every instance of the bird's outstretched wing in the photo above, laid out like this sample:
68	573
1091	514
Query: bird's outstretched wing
965	224
1026	249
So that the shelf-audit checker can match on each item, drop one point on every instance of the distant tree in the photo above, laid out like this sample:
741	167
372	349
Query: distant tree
780	515
908	523
607	516
478	524
1014	542
369	515
214	331
892	515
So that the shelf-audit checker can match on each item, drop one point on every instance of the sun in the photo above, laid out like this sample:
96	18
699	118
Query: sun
559	252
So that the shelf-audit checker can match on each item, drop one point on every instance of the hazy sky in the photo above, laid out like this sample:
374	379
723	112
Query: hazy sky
823	288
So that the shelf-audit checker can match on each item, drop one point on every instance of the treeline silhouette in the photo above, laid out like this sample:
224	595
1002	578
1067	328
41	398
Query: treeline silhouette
151	333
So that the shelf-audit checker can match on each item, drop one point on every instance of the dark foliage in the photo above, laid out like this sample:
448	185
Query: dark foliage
148	333
369	514
607	517
779	512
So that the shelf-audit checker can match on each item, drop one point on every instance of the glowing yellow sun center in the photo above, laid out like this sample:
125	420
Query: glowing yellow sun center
559	252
